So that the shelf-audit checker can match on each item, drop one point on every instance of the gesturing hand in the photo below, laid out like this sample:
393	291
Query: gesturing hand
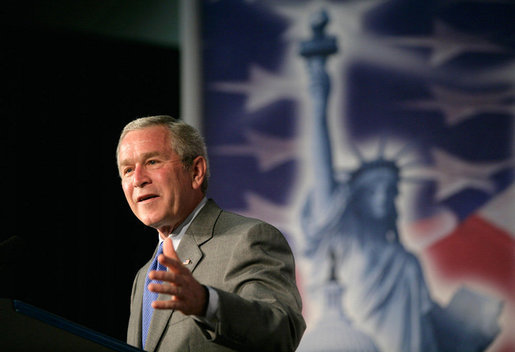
187	294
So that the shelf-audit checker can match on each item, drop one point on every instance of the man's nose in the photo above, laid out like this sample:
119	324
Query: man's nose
140	177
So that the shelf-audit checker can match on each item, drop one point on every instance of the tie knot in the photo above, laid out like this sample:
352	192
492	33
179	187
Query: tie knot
158	265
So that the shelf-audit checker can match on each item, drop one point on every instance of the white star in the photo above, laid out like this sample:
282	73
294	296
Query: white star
280	216
269	151
458	107
454	175
262	88
448	43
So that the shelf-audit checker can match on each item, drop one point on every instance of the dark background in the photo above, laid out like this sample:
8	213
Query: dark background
69	242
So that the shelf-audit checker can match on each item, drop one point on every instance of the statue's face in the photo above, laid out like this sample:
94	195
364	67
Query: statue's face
377	199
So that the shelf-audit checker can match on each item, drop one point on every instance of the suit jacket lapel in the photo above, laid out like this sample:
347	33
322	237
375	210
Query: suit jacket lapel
200	231
134	330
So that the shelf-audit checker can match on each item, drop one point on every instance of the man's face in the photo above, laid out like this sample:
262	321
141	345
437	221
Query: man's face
158	188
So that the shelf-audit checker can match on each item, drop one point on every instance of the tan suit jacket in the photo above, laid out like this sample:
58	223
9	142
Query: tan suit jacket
251	266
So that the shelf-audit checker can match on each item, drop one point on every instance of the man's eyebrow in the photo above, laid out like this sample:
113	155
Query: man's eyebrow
150	155
144	156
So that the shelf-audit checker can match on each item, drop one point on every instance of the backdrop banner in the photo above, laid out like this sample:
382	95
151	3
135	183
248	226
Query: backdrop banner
377	135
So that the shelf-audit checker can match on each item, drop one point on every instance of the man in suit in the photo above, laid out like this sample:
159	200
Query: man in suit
225	282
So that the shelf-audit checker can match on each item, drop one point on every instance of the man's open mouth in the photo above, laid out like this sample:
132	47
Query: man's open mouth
146	197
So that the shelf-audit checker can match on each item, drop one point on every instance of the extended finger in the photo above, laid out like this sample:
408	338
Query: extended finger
176	292
167	276
169	304
189	299
168	249
173	265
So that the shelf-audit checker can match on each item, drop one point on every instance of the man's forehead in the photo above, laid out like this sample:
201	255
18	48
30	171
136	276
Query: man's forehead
145	143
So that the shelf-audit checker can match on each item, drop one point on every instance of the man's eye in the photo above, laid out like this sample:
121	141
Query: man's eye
152	162
127	170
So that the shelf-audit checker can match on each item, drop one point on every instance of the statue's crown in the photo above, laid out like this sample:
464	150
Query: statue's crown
375	170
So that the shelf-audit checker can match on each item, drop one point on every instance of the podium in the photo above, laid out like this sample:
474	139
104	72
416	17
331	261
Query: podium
26	328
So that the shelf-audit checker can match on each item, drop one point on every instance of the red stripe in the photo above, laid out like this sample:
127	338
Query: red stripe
477	250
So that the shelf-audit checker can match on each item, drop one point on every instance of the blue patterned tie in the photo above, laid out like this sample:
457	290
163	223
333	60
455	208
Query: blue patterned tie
148	296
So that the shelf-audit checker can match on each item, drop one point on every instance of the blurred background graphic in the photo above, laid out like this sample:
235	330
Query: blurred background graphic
378	136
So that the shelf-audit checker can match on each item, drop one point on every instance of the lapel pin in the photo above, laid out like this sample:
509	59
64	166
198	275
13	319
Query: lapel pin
186	262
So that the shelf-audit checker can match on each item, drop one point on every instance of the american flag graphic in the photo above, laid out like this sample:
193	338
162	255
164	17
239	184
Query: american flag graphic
422	90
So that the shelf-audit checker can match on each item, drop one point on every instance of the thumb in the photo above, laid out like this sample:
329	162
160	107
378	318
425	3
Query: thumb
168	249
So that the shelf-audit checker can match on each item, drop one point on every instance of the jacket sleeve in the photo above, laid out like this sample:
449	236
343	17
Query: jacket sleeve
259	303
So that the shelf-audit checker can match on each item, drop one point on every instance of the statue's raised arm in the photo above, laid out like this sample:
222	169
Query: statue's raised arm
315	51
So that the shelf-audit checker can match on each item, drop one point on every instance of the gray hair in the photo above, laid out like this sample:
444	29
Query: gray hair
186	140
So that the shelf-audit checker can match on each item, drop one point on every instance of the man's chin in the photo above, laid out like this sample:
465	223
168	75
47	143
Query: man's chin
151	221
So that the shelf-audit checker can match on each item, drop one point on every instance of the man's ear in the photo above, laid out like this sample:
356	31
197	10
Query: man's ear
198	171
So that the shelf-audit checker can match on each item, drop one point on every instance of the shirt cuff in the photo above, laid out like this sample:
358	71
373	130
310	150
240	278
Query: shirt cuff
211	317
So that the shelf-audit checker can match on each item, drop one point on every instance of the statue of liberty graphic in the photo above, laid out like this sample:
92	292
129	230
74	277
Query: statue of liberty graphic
353	240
